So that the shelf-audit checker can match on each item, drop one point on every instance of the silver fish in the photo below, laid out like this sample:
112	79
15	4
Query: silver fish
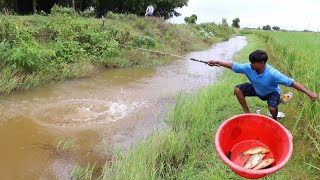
254	160
264	163
256	150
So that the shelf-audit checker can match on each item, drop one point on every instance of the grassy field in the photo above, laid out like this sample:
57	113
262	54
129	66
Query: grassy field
186	149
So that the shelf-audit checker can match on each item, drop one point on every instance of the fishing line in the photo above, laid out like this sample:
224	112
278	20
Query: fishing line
164	53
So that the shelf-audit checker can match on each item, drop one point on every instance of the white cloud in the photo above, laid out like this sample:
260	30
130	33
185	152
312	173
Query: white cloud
287	14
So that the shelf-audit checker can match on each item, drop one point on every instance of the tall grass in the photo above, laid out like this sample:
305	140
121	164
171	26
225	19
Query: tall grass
80	173
186	149
298	55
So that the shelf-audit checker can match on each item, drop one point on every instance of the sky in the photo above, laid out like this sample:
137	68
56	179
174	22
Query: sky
286	14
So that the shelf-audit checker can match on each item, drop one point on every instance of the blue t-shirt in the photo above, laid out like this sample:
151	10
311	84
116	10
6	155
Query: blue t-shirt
266	82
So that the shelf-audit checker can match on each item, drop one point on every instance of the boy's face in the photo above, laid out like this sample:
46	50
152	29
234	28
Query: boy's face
257	66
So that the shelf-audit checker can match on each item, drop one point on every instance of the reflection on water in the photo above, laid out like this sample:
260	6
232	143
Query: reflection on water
117	107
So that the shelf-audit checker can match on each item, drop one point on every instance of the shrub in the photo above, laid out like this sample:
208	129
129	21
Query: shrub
144	41
56	10
87	13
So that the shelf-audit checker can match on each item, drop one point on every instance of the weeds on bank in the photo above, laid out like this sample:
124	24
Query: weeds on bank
64	45
66	144
80	173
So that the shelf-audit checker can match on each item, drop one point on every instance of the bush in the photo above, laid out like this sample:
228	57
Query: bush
144	41
87	13
112	15
57	10
27	57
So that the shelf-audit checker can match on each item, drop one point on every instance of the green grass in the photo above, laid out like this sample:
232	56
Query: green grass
296	54
66	144
80	173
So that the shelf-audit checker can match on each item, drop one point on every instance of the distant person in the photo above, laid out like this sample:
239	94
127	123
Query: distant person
264	81
91	8
149	10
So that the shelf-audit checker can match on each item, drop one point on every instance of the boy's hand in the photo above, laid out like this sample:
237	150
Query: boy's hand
213	63
313	96
226	64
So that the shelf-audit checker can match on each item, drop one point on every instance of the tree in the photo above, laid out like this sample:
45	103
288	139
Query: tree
276	28
163	8
224	22
166	9
34	6
191	20
9	5
267	27
235	23
73	6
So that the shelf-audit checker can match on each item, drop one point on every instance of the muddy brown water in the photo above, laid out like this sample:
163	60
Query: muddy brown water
113	110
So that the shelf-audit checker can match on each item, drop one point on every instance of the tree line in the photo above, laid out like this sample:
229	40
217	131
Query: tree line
164	9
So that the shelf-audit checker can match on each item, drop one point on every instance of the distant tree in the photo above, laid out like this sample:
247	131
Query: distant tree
267	27
235	23
163	8
167	9
194	16
73	5
9	5
191	20
34	6
224	22
276	28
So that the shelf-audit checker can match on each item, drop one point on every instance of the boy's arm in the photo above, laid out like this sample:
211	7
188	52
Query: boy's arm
313	96
226	64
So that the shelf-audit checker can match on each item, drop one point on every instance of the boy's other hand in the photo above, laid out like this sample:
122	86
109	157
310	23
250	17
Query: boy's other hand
313	96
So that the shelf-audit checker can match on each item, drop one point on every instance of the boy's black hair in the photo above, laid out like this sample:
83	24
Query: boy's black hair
258	56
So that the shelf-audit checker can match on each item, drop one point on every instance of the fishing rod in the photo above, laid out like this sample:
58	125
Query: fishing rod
163	53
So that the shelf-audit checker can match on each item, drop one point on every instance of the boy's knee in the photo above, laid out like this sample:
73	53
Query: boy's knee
272	109
237	91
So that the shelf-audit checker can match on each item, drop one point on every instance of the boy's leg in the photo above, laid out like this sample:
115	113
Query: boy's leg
243	90
273	100
273	112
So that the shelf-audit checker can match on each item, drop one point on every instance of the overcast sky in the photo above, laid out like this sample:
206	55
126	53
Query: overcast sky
286	14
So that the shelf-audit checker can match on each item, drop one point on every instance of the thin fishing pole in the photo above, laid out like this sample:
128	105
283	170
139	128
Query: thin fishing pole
159	52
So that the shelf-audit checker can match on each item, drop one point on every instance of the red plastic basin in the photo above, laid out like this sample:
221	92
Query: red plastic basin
245	131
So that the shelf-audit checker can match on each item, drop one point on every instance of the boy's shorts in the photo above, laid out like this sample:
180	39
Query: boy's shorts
273	98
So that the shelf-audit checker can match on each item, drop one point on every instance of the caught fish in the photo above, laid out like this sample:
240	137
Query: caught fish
286	97
256	150
254	160
264	163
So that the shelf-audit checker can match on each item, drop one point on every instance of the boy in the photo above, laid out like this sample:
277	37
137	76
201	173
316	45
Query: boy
264	81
